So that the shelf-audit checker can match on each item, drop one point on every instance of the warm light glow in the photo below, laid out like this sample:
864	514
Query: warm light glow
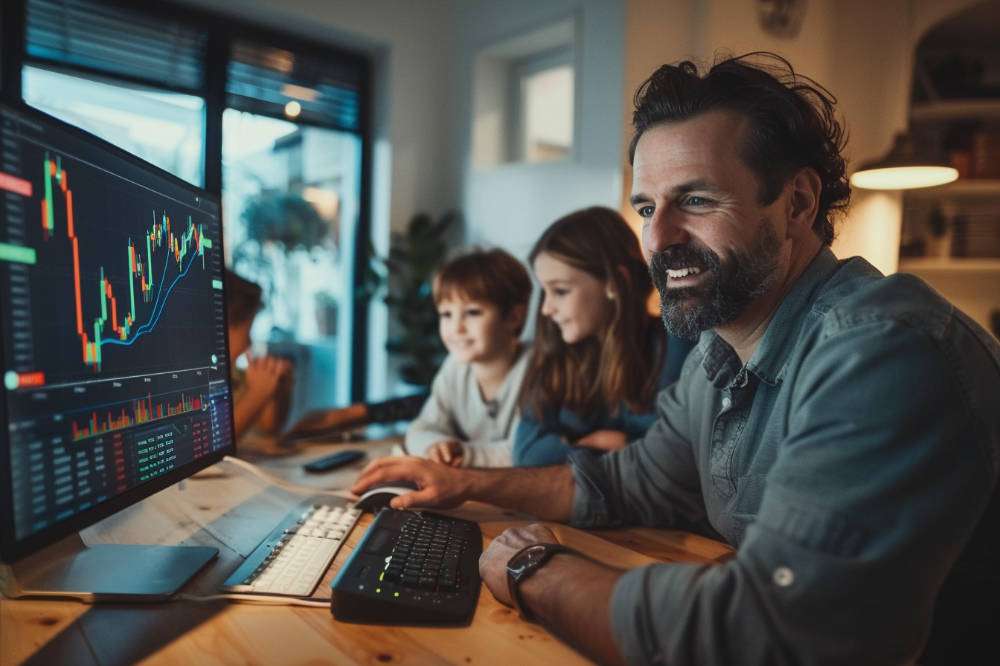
299	92
903	178
293	109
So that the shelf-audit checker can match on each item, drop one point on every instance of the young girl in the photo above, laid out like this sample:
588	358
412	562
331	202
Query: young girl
599	357
470	416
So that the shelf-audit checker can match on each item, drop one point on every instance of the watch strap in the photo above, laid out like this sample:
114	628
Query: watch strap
514	584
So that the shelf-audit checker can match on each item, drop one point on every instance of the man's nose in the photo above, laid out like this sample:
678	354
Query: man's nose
663	230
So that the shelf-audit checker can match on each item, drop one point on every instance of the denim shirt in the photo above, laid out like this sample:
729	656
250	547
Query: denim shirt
548	441
849	461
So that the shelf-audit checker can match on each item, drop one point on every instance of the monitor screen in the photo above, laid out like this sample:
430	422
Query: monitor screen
113	340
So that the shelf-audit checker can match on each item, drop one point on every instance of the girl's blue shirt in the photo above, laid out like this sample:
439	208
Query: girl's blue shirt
549	441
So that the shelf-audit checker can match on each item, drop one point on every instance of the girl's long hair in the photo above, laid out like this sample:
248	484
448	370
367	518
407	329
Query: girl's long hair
619	364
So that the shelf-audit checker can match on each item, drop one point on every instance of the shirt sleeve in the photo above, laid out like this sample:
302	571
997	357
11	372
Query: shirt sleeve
872	496
538	443
435	421
653	481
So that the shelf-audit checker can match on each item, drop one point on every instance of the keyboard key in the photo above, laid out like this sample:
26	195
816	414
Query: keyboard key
419	581
293	558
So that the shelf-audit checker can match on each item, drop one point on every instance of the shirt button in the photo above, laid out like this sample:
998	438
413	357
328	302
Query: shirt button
726	402
783	577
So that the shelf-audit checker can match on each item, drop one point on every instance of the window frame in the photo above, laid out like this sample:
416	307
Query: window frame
521	69
223	31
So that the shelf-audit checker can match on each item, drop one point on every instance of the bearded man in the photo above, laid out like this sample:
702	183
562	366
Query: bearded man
839	428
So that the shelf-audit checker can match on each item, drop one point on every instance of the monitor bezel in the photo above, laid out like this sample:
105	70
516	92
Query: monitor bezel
12	549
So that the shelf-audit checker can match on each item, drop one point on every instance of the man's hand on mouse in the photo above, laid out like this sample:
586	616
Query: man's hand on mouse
439	485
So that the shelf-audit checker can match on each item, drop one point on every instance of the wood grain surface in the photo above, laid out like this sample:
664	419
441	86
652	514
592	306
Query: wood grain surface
231	509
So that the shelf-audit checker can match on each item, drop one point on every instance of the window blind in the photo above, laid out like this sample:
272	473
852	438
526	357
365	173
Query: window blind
113	39
264	79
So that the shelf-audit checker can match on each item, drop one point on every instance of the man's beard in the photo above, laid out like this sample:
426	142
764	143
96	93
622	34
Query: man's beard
725	291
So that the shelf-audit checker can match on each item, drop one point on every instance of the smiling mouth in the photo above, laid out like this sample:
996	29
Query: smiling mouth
682	272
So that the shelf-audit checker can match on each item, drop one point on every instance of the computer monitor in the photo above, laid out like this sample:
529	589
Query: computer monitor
113	345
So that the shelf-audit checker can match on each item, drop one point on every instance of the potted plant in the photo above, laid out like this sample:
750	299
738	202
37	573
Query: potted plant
414	255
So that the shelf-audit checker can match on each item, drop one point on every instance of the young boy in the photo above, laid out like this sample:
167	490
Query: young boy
261	391
471	415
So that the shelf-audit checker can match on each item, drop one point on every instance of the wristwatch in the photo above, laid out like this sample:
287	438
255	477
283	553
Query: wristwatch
524	564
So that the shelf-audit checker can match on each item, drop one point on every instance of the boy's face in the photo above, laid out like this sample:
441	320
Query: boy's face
475	331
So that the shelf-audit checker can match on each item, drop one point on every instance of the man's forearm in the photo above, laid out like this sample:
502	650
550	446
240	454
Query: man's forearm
546	492
571	596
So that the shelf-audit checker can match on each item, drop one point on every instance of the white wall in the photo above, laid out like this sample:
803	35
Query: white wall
509	205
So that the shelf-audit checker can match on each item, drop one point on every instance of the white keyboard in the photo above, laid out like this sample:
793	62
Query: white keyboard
292	559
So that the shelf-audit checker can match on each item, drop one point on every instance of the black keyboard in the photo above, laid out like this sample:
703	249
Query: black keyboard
411	567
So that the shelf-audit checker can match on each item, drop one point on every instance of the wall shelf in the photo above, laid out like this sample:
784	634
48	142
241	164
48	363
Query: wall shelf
969	188
921	265
955	109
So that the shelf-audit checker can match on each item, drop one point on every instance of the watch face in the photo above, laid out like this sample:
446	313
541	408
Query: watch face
525	558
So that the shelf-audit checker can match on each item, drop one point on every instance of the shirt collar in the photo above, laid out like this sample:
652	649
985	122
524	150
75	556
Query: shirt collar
769	359
721	364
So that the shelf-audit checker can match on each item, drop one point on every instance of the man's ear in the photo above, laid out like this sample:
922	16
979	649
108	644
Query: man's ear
803	201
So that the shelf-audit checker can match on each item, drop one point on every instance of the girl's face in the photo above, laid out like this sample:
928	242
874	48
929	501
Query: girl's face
576	301
475	331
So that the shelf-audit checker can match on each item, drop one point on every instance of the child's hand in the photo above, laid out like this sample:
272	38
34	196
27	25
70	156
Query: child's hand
264	374
604	440
448	452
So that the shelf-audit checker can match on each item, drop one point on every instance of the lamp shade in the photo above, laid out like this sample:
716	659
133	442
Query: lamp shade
902	169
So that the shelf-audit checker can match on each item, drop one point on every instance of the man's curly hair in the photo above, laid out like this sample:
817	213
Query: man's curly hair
791	121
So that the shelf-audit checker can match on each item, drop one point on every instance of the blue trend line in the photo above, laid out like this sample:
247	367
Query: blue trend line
157	305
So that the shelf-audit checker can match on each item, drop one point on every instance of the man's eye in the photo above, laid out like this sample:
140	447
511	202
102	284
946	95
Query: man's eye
473	312
646	212
696	201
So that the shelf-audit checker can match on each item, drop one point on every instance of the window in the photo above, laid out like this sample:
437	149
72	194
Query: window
291	196
165	128
524	98
544	113
291	179
272	123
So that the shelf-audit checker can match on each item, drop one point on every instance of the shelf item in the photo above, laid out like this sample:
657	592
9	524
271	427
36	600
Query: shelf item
946	264
955	109
967	188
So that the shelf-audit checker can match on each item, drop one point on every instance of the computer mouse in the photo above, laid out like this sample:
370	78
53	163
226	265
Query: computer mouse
380	496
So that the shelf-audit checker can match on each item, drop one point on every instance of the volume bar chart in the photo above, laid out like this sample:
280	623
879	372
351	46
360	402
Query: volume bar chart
134	413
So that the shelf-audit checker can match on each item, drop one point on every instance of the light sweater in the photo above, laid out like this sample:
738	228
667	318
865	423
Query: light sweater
456	410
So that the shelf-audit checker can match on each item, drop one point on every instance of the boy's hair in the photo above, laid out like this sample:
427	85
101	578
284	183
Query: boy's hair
492	276
243	298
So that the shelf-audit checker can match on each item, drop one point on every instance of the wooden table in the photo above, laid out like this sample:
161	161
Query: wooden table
229	508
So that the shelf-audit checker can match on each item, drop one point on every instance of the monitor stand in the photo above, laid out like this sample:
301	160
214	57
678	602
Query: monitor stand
105	572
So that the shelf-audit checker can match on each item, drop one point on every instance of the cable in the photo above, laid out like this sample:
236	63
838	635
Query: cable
253	599
282	483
